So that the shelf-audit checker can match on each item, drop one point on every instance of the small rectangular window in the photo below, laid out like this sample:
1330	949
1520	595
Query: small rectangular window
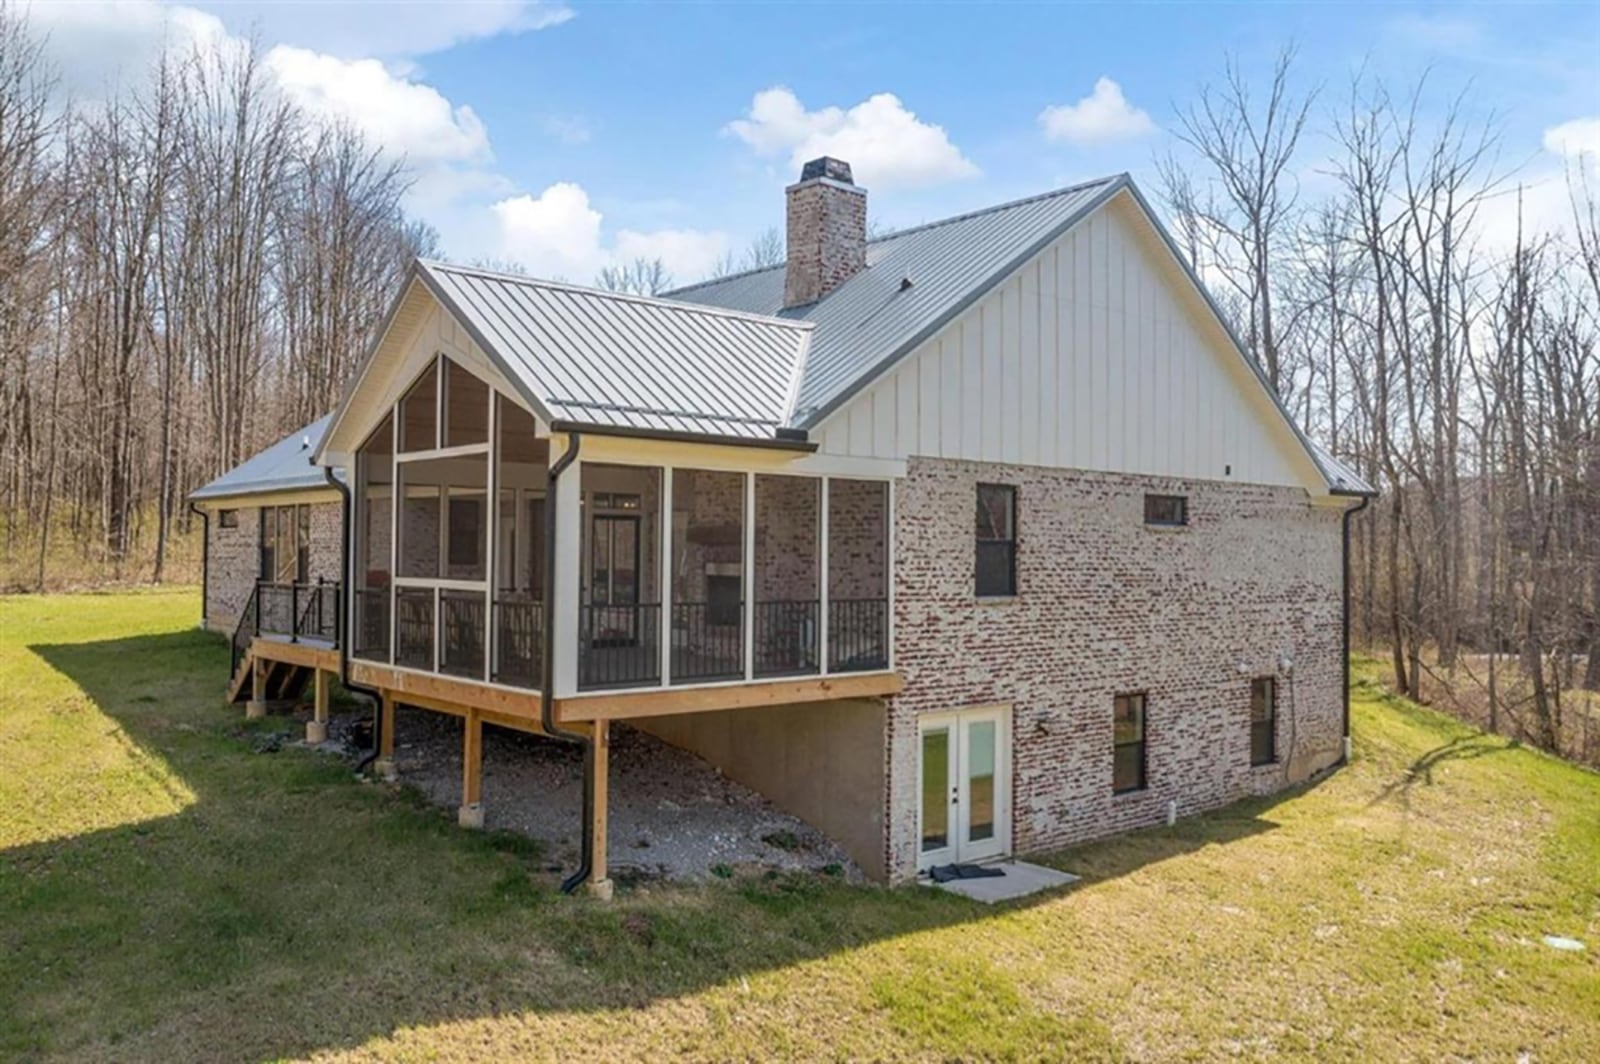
1263	720
997	540
1166	509
227	518
1128	759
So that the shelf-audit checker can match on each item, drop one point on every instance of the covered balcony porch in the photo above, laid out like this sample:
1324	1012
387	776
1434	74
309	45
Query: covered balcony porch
676	566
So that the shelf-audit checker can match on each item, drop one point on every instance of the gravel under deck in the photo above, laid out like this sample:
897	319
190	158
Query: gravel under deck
672	814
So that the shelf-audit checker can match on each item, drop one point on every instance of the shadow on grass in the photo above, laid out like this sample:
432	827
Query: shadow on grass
1420	771
290	909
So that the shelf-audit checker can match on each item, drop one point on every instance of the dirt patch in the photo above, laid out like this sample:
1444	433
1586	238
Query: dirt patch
672	815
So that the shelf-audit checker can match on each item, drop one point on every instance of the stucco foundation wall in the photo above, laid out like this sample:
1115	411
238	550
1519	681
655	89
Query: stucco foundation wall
234	559
1108	605
821	761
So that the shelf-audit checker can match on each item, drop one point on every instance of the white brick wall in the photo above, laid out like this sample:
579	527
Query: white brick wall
1106	605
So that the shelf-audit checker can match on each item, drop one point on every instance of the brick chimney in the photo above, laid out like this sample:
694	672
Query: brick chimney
827	231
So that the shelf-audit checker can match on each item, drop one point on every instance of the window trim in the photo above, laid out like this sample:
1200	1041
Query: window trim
1183	506
1010	590
1143	743
1271	720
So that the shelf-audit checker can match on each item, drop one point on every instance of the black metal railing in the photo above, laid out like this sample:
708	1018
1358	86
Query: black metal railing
858	635
244	630
519	641
371	636
299	611
414	628
707	641
619	646
462	630
787	637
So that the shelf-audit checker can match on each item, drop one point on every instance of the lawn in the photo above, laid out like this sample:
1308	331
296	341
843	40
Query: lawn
171	889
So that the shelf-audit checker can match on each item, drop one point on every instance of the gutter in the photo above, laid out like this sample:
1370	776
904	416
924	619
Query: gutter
205	559
1366	500
547	701
786	440
346	569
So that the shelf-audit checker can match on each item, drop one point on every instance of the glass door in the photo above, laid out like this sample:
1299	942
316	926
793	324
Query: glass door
965	791
614	580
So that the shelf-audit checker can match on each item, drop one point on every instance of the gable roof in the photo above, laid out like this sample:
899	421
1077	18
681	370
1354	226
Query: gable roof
603	359
285	466
874	318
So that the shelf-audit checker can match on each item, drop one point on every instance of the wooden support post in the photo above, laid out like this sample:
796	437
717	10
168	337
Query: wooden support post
384	766
257	706
599	877
317	726
470	815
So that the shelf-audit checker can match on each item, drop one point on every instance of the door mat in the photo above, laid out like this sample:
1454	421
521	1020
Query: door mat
949	872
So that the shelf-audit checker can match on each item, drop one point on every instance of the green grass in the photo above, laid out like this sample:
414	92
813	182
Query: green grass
167	893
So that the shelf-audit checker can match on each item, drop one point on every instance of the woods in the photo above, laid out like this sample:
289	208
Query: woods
190	270
1455	369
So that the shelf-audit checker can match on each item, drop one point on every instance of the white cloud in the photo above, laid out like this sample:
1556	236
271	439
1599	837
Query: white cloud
558	233
360	28
401	116
885	144
1104	114
1575	140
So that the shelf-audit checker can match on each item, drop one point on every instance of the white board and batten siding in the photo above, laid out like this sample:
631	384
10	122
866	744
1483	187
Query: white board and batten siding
1096	354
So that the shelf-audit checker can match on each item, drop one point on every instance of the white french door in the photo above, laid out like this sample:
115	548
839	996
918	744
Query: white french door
965	792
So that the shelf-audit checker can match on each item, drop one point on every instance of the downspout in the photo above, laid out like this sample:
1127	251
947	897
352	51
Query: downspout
1366	500
205	560
347	587
547	701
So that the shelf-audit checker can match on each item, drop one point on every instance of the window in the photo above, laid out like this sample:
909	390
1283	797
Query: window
1127	773
286	544
1263	720
997	540
227	518
1166	509
465	531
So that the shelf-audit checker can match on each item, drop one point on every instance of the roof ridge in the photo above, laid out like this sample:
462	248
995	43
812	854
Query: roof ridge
996	208
621	297
920	227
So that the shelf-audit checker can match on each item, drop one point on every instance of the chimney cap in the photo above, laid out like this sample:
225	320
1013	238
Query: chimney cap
827	167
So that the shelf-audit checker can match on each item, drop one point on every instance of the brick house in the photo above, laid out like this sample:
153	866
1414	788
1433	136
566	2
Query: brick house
975	539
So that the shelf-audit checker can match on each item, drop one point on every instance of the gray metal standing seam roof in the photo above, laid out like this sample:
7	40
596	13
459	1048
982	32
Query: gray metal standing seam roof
285	466
873	318
620	361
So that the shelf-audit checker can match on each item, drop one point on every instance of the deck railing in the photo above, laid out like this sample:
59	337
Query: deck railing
619	646
707	641
786	637
519	641
858	635
461	634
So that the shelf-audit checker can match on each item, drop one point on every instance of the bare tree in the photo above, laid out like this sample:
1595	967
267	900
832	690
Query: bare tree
641	277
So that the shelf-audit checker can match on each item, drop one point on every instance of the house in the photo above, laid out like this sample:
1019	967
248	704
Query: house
978	538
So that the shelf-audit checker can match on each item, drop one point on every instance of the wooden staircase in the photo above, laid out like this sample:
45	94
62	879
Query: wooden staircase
286	680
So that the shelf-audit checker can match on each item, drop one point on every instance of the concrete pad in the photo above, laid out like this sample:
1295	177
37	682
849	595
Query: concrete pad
1020	880
470	816
254	710
316	732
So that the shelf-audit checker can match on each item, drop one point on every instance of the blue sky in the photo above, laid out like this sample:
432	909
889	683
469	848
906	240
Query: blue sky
571	135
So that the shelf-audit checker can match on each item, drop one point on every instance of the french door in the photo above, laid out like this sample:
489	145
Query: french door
965	792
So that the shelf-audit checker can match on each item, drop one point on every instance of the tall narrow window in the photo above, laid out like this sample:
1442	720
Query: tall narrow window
997	540
1263	720
1128	721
